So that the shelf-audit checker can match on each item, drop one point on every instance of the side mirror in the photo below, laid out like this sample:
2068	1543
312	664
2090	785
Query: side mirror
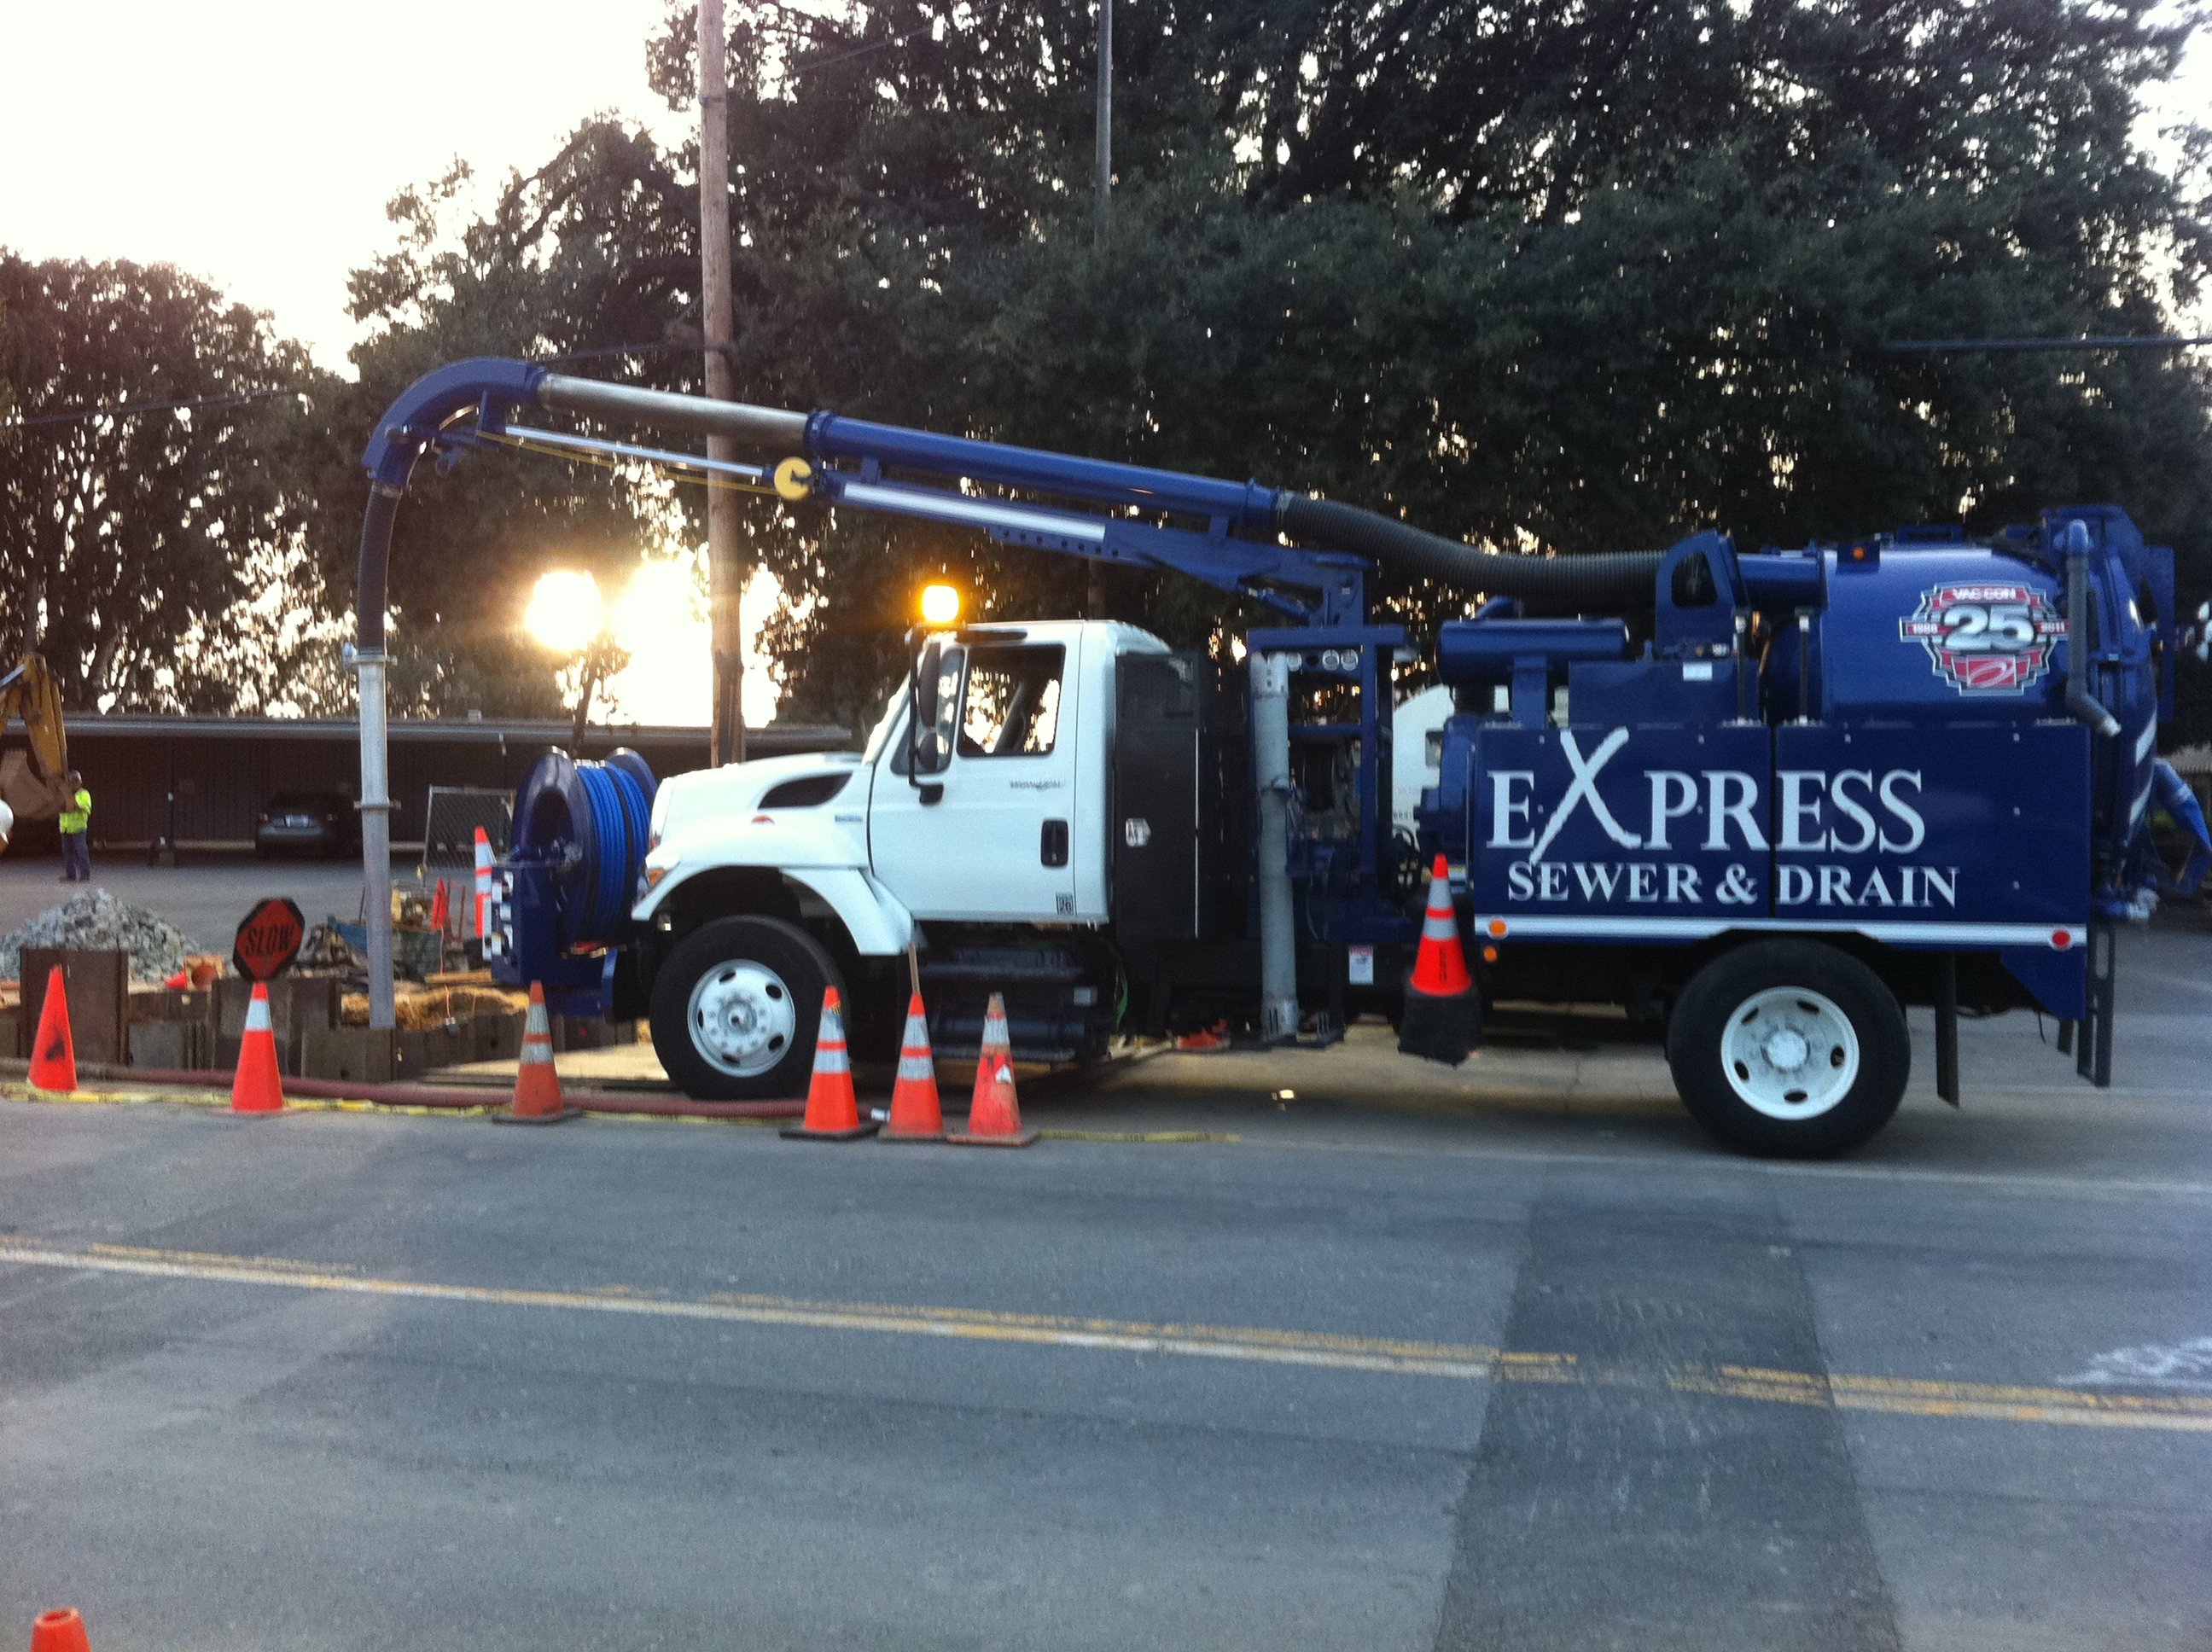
928	750
924	685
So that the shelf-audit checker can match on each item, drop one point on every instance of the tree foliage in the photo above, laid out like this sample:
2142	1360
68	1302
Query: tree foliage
158	558
1545	276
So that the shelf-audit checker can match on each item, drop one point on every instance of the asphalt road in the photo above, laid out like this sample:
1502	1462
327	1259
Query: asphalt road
1508	1359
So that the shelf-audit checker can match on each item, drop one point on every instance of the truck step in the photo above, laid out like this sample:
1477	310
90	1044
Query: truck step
1043	1054
1015	968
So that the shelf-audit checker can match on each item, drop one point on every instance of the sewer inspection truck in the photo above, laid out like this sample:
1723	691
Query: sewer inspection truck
1764	800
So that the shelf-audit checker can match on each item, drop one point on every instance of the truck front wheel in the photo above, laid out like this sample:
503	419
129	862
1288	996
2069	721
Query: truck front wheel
736	1007
1788	1048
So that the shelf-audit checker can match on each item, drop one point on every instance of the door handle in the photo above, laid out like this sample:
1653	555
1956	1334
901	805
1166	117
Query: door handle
1052	843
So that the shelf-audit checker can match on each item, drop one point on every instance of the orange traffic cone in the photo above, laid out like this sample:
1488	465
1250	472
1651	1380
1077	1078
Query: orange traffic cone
995	1116
483	884
258	1086
59	1631
53	1056
1440	966
536	1086
181	981
1442	1017
916	1113
833	1114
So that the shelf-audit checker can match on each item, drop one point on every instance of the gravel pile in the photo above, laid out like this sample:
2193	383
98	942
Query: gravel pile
96	918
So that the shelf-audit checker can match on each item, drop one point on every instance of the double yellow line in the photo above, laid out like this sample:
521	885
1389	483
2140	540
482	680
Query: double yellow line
1894	1395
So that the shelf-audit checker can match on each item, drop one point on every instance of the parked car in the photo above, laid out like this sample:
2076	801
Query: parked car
307	823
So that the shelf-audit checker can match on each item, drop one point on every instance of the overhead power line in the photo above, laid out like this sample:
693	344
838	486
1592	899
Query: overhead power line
2095	342
127	409
658	348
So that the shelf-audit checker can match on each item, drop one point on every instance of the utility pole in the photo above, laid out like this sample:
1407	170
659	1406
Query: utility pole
1105	106
1094	585
726	572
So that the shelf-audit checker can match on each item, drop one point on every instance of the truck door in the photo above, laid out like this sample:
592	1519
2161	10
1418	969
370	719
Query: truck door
981	829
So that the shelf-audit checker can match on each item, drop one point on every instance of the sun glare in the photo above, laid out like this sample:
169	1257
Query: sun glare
658	618
564	612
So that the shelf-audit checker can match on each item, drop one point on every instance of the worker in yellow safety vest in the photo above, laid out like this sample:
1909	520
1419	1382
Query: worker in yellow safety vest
77	830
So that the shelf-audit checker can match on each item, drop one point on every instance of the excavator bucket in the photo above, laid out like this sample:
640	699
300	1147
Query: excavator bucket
23	789
31	783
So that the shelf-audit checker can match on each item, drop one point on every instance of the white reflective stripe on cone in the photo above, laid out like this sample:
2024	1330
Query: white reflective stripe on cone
1439	927
915	1067
256	1014
831	1058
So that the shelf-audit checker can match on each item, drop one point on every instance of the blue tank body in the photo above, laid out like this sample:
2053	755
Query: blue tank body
1874	736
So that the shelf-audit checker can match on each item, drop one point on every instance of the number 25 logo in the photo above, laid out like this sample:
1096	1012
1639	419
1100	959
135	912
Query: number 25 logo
1987	638
1977	627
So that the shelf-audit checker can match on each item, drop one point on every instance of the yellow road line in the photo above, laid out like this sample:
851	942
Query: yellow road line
1138	1135
1893	1395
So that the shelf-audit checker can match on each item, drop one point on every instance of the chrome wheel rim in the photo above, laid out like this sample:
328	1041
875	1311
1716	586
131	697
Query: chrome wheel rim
742	1017
1790	1053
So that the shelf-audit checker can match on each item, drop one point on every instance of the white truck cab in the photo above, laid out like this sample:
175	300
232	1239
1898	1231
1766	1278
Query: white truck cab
996	812
981	806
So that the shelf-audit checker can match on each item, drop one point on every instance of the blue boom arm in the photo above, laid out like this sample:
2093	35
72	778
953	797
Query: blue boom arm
831	460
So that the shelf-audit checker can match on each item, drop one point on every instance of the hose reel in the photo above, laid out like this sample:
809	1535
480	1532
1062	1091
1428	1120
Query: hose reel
586	823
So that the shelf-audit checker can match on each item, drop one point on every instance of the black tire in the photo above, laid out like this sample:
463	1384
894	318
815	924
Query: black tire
771	978
1857	1056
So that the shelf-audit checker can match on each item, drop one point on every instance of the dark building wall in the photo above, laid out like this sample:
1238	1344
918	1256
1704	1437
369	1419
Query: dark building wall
223	774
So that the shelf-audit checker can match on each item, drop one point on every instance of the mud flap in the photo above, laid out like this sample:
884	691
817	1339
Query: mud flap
2093	1057
1947	1028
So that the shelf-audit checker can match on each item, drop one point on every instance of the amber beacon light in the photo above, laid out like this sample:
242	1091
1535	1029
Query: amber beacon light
941	604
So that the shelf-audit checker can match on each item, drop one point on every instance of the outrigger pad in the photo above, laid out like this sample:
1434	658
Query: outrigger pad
1445	1029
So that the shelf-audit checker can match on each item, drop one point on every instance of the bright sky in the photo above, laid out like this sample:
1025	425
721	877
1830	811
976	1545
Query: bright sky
254	142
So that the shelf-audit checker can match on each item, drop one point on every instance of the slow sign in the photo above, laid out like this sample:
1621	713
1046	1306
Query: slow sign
269	939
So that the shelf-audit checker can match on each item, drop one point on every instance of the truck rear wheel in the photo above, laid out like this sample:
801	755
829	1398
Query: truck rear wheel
1788	1048
736	1007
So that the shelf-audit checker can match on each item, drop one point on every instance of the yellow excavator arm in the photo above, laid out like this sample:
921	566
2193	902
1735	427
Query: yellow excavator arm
30	784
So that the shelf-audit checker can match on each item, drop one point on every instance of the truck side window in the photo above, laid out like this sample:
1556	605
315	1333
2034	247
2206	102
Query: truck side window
1013	701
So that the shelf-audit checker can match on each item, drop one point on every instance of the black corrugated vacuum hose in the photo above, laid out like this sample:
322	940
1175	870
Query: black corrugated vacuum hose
375	556
1588	581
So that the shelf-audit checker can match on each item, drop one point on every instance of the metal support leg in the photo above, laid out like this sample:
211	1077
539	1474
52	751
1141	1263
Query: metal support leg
1271	758
376	834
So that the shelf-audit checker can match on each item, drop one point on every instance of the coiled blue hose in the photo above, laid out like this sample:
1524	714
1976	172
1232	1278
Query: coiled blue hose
618	829
590	821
